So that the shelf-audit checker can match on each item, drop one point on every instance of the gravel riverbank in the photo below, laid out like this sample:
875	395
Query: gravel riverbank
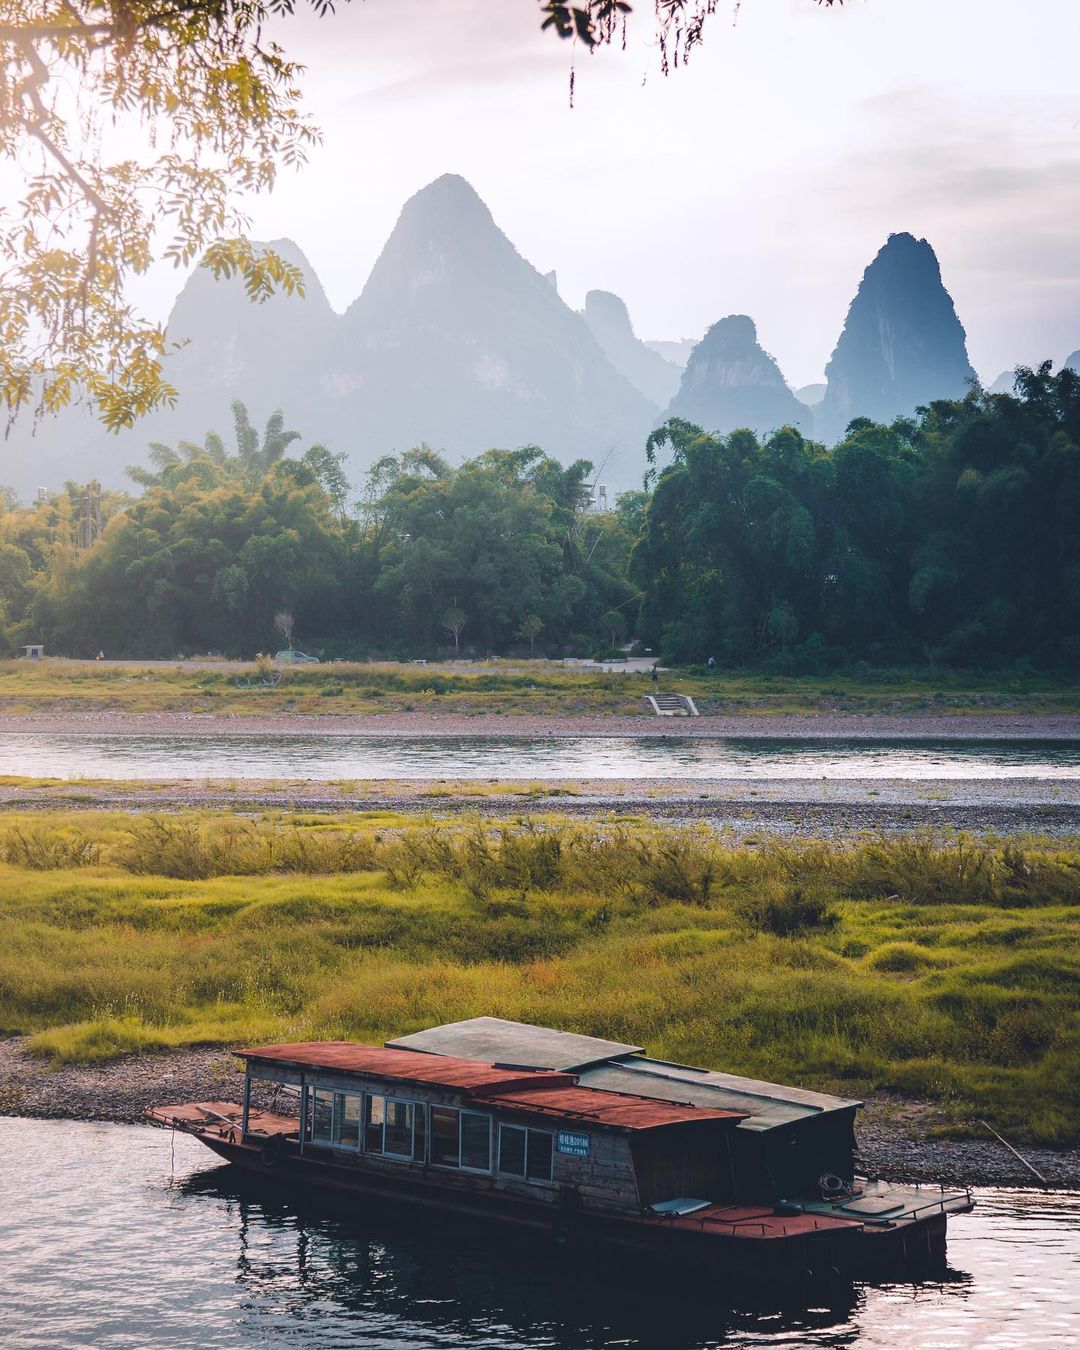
739	808
892	1132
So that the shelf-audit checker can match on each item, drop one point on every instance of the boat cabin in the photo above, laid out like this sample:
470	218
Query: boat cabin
460	1125
786	1144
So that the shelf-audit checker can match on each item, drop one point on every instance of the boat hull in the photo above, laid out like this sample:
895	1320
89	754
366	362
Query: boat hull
756	1248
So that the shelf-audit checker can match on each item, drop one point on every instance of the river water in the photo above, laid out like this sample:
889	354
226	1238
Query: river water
322	757
123	1236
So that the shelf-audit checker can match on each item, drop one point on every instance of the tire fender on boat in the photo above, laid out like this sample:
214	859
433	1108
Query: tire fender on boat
272	1151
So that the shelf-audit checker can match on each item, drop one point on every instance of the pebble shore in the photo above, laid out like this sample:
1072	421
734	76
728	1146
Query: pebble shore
741	809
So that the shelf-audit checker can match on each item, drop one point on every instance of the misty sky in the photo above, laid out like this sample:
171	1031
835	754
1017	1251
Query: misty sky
761	179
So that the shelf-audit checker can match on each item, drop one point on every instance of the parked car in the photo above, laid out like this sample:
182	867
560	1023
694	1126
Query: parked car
296	658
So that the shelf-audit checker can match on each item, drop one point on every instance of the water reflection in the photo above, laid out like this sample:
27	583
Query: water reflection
464	1286
324	757
125	1236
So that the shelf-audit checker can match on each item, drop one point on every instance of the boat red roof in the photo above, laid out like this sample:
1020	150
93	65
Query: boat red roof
595	1106
469	1076
536	1091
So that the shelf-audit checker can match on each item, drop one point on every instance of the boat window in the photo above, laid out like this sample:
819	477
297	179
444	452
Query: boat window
445	1136
475	1141
525	1153
512	1150
373	1128
347	1119
419	1144
397	1136
538	1160
322	1116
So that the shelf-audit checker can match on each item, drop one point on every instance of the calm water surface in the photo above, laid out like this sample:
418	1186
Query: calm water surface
123	1236
368	757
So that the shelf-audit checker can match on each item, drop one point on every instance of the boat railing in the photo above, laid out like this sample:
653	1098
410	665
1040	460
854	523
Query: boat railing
939	1206
228	1127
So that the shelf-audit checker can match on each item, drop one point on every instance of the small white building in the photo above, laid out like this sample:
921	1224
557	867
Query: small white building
34	651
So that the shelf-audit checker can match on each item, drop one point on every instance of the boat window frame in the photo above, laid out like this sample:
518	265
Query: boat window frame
418	1111
412	1105
490	1119
327	1140
368	1124
459	1166
339	1117
523	1175
441	1106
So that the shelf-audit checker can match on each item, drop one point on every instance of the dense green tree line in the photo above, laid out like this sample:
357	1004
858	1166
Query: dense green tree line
950	537
496	553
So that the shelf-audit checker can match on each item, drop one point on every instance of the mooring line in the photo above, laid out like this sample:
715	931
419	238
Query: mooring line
1017	1152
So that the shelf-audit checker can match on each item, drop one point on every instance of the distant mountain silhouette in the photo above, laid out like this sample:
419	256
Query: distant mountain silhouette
730	382
811	394
609	323
1003	384
268	355
458	341
902	344
455	340
678	353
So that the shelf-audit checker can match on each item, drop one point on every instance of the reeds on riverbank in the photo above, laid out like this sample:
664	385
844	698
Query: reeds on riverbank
938	968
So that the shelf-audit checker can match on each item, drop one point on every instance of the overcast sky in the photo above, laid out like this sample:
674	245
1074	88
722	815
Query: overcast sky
761	179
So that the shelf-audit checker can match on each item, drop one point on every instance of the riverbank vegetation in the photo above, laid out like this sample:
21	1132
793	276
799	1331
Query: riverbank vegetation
940	969
948	539
507	688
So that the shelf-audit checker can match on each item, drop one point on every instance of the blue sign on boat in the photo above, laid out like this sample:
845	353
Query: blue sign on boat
569	1142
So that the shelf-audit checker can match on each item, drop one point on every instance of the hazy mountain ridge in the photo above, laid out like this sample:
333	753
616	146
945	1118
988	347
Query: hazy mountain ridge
902	343
609	322
730	381
459	341
455	340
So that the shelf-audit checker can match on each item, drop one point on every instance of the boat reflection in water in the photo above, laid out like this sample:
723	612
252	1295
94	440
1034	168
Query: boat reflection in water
300	1250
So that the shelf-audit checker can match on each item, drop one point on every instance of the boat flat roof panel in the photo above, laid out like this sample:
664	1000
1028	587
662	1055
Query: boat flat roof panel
765	1104
468	1076
587	1106
498	1041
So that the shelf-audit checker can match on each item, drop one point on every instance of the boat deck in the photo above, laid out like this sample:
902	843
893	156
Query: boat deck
223	1119
754	1222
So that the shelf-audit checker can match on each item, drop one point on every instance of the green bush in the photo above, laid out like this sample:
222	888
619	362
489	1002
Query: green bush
900	958
786	909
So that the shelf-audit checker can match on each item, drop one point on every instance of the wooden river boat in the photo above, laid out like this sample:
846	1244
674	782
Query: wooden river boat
580	1140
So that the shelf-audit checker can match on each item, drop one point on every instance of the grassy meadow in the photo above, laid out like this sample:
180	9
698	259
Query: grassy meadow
942	969
493	688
